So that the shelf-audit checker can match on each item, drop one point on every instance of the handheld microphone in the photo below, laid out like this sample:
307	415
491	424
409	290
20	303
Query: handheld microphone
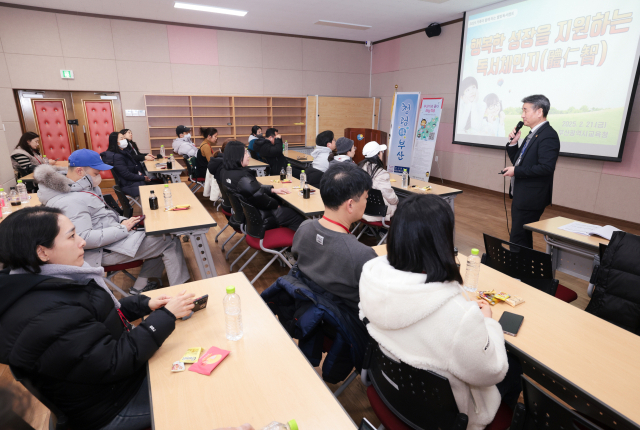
518	127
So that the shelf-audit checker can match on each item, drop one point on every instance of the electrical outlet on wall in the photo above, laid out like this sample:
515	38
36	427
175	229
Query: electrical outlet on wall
436	158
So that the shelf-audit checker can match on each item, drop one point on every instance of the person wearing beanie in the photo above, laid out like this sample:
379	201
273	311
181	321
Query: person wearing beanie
345	149
373	165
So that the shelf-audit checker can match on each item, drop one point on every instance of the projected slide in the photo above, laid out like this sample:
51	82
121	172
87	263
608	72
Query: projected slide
582	55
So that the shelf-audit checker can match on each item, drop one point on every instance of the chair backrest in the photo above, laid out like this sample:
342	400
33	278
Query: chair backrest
238	217
254	223
60	420
541	412
420	398
226	203
528	265
375	204
22	171
191	166
127	210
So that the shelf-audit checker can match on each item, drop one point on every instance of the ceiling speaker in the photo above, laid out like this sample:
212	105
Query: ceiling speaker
433	30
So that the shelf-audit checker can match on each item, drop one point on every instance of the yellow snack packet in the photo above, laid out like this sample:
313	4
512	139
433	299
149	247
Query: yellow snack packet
192	355
501	296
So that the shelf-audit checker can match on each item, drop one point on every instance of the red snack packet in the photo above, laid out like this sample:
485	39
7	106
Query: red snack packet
209	361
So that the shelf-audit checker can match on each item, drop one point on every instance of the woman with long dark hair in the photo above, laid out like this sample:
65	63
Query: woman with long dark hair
205	152
132	147
27	152
373	165
61	325
420	315
126	171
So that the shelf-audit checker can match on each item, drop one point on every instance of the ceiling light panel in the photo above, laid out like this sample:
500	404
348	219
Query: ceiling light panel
343	25
213	9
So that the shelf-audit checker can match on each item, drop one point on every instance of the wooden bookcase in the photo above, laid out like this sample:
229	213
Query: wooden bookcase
232	116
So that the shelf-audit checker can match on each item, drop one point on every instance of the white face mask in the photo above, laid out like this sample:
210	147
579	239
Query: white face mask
95	180
123	143
187	136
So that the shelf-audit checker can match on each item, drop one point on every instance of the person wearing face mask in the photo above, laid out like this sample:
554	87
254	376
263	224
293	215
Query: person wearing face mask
127	171
111	239
132	148
182	144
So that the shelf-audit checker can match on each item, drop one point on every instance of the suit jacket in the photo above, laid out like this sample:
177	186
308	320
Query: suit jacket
534	175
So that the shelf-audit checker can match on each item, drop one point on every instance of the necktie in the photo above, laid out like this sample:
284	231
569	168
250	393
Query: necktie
519	160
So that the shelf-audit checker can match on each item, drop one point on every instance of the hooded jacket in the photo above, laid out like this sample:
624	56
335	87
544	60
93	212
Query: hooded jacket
184	146
321	158
243	181
70	340
95	221
432	326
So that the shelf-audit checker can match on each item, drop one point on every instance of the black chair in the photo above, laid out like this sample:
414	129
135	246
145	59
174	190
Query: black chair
237	222
400	393
123	199
226	210
196	183
376	207
57	419
131	200
314	176
542	412
266	240
532	267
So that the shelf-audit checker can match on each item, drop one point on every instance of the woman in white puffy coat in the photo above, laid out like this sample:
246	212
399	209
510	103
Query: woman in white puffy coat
420	315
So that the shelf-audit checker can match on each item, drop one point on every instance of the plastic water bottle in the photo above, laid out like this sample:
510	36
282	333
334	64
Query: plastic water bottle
303	179
22	192
162	150
405	178
473	271
168	201
291	425
5	207
232	316
286	146
13	197
289	172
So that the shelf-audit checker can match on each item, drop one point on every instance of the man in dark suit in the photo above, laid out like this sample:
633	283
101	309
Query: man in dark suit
533	165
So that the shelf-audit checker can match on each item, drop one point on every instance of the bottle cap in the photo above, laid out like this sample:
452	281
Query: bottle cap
161	146
1	190
404	170
20	180
153	192
288	164
293	425
166	185
303	171
231	289
475	251
12	188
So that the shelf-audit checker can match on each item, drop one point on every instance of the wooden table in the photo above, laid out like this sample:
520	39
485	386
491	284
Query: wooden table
571	253
578	349
33	201
173	173
194	222
298	159
59	163
258	166
447	193
308	207
265	377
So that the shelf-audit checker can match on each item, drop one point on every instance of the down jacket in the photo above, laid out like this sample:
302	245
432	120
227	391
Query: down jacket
271	153
69	338
184	146
126	170
431	326
95	221
309	313
616	297
243	182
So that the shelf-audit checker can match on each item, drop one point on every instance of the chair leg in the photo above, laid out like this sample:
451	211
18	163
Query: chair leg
346	383
264	268
356	227
223	229
115	287
384	238
237	259
248	261
226	257
365	228
227	241
129	275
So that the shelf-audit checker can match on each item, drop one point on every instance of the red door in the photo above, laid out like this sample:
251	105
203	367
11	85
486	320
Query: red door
51	122
99	118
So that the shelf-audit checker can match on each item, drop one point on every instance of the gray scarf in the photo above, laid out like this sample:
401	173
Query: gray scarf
82	275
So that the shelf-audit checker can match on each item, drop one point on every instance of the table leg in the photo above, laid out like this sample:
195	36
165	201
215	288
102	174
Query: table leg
202	252
554	259
175	177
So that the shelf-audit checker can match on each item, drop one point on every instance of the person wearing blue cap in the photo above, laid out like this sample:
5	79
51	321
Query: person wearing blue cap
111	239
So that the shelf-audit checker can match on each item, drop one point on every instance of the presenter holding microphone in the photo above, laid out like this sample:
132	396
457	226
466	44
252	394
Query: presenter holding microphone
533	165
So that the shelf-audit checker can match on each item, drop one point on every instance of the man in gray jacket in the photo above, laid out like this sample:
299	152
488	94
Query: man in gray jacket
111	239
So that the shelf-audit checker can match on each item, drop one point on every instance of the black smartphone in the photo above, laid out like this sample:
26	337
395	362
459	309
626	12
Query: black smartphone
511	323
200	303
366	425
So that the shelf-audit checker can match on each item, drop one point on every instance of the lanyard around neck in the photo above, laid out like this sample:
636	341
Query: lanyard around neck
336	223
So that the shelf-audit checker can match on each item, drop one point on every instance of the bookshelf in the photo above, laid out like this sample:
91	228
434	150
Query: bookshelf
232	116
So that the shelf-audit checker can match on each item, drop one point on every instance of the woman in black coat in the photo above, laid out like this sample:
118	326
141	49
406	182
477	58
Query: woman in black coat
238	178
132	147
61	325
126	170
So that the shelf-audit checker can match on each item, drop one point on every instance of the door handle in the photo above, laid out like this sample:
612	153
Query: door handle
84	130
